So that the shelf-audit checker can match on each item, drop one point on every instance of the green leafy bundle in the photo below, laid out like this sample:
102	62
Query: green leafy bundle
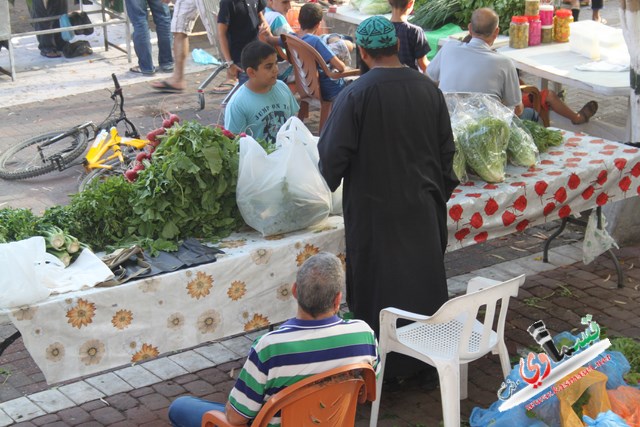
484	144
99	216
543	137
522	150
631	350
432	14
189	189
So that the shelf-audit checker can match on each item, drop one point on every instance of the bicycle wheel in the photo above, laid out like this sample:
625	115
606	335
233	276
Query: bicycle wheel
100	174
30	158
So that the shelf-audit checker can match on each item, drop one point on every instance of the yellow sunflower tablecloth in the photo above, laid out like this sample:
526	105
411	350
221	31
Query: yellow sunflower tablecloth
76	334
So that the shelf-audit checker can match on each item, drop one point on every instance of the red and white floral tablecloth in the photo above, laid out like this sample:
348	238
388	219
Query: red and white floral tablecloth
583	173
79	333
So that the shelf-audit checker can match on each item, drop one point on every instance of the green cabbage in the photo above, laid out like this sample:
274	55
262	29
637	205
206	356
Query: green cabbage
484	144
521	151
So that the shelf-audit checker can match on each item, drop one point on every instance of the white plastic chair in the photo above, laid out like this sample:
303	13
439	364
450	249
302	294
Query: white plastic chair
450	339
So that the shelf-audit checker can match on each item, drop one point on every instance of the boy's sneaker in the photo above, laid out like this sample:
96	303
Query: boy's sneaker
166	69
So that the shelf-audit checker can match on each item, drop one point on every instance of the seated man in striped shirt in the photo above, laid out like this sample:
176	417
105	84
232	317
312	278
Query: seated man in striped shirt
315	341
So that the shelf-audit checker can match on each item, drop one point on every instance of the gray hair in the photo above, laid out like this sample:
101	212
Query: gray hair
319	280
484	21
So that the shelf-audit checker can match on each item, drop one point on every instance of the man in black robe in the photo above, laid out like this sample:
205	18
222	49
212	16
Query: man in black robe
389	136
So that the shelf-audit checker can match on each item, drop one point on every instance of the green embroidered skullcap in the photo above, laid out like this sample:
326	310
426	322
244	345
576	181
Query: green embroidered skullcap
376	32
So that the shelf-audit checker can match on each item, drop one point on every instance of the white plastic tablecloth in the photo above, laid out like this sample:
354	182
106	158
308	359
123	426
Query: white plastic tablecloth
583	173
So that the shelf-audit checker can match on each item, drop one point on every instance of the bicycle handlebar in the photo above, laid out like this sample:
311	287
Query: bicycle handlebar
115	81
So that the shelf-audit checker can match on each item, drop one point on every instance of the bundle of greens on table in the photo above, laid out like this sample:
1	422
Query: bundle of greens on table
20	224
188	190
487	134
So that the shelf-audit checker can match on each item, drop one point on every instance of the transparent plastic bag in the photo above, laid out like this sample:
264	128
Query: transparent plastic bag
482	128
625	402
596	240
203	57
522	150
282	191
605	419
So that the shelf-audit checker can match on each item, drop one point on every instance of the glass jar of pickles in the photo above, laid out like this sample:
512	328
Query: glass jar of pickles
519	32
546	14
531	7
561	28
535	29
546	33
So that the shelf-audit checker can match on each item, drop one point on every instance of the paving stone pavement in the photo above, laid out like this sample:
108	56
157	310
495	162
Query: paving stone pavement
139	395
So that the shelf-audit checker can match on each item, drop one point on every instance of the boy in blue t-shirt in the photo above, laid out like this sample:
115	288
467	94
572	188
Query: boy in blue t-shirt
413	44
263	104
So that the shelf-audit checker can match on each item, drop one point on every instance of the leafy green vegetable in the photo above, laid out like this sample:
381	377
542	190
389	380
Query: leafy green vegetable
631	350
484	144
431	14
189	188
522	150
459	163
543	137
17	224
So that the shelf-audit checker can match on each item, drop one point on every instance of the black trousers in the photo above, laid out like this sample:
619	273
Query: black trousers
48	42
597	4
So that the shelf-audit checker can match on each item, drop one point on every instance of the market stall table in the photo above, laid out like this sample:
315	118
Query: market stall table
555	62
80	333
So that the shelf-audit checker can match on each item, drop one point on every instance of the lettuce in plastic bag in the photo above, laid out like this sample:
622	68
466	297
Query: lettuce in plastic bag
484	144
459	163
522	150
374	7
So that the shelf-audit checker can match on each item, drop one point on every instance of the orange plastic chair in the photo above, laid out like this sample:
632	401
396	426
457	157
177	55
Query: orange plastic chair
306	60
326	399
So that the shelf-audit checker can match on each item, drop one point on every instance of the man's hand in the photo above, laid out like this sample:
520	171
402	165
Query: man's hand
232	72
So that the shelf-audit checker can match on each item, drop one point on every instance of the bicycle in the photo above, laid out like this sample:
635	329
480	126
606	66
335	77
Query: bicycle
56	150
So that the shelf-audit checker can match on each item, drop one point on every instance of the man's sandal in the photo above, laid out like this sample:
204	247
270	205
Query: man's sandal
586	112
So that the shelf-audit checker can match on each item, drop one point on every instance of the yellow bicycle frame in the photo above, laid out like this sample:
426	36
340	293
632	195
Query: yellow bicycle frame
96	158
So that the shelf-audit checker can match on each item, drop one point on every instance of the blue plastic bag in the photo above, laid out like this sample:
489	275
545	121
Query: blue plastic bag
203	57
605	419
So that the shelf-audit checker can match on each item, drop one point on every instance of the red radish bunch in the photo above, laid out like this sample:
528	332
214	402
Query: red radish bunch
132	173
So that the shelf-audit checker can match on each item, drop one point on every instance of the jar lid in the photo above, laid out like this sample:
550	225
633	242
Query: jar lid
546	7
563	13
547	27
519	19
533	18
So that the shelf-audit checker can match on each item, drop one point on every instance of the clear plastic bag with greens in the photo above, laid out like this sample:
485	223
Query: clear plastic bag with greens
522	150
482	128
282	191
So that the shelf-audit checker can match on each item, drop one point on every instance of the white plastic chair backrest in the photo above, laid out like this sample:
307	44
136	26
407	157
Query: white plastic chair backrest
465	309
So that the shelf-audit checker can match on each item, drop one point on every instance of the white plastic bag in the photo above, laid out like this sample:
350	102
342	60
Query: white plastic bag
24	267
282	191
596	240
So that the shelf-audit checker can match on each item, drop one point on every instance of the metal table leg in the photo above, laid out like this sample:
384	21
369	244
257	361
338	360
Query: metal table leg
8	341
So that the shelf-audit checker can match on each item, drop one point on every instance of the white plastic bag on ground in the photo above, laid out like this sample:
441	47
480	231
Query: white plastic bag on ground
282	191
22	264
596	240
